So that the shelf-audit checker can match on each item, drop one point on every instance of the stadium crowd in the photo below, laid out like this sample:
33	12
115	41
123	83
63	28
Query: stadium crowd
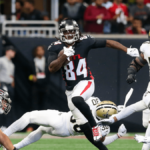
99	16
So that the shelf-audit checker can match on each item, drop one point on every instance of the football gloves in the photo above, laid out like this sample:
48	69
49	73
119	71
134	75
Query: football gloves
131	78
133	52
68	51
141	139
122	131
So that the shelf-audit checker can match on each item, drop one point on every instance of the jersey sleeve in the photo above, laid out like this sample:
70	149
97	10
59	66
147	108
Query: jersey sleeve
96	43
52	53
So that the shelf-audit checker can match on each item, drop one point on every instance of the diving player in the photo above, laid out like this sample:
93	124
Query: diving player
77	75
63	124
4	109
144	104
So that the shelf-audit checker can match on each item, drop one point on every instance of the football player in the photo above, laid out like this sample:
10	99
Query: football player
4	109
63	124
77	74
144	104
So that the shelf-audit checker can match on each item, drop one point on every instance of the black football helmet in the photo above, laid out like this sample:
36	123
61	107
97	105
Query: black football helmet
69	28
5	101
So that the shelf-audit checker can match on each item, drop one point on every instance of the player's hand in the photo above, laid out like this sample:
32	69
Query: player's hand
122	131
131	78
133	52
141	139
68	51
107	121
120	108
104	130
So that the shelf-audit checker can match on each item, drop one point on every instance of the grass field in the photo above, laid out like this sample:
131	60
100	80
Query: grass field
77	144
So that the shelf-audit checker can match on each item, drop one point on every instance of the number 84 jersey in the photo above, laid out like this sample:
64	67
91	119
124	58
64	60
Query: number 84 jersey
77	69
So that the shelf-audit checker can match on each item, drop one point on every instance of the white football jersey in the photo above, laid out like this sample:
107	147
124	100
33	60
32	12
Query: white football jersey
72	124
145	49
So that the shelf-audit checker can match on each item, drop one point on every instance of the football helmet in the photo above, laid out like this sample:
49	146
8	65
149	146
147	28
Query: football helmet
5	101
69	31
105	109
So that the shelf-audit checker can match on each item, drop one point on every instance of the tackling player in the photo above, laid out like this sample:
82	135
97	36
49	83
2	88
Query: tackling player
77	75
63	124
5	108
144	104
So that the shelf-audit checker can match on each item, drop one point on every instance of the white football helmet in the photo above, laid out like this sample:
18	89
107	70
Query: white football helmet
67	29
5	101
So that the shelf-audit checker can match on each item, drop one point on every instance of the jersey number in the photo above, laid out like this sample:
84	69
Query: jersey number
81	69
76	127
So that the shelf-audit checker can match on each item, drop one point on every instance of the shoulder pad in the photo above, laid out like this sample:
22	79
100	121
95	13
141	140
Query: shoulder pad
54	43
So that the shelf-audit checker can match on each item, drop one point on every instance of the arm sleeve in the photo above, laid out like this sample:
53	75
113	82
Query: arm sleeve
110	139
98	43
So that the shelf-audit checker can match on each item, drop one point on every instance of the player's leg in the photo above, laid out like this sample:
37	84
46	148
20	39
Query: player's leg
145	117
33	136
44	118
5	141
146	124
81	92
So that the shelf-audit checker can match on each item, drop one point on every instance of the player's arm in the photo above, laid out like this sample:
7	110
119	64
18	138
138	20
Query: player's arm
55	62
5	141
121	132
134	67
98	43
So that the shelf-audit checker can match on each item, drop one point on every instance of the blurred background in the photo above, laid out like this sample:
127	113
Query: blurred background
28	27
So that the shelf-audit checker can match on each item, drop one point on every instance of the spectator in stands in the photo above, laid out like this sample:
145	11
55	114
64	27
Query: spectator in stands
82	1
147	3
45	15
30	13
136	27
95	17
19	7
7	70
74	10
140	11
119	16
40	79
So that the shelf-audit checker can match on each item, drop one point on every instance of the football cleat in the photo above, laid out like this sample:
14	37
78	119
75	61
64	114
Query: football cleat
96	133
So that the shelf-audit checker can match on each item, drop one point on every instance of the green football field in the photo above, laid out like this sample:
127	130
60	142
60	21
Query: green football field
77	144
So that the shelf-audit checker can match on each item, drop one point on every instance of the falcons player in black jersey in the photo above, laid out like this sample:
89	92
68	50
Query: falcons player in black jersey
77	75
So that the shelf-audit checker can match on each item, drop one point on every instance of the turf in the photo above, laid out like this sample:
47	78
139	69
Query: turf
79	144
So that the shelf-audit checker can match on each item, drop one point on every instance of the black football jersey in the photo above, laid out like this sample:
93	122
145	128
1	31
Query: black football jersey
77	69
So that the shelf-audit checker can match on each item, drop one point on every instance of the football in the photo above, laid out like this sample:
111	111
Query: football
61	53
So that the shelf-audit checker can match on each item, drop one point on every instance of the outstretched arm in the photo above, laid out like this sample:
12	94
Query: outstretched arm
134	67
115	45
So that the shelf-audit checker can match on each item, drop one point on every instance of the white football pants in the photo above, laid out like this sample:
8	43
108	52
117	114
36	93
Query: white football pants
85	89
